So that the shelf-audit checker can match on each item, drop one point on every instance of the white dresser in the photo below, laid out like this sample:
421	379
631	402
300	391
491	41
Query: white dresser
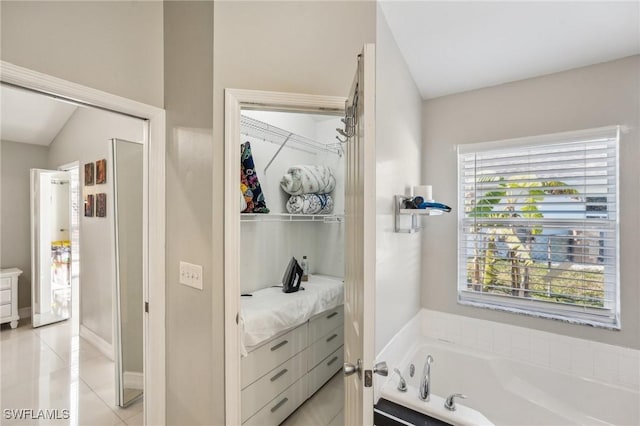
279	375
9	296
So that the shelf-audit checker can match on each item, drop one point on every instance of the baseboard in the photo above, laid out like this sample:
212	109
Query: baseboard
133	380
24	312
97	341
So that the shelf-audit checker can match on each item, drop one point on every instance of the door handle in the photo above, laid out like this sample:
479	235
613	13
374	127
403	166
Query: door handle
381	368
349	368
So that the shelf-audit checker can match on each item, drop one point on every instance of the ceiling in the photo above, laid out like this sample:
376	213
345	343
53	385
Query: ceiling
453	46
449	47
31	118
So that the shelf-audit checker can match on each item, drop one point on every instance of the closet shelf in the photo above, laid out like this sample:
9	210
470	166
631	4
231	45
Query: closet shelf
287	217
261	130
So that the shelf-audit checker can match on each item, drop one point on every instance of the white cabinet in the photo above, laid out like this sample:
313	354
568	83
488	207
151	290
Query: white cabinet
9	296
272	353
279	375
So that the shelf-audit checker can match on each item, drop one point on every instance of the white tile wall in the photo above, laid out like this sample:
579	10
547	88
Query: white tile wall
592	360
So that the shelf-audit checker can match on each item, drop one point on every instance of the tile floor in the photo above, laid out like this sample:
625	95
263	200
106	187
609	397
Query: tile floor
324	408
53	368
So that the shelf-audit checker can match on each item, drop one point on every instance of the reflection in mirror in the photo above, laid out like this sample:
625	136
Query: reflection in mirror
127	167
51	246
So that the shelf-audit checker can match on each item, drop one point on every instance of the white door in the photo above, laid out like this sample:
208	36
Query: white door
50	246
360	246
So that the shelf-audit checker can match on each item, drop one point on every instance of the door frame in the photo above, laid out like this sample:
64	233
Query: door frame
235	101
153	214
74	247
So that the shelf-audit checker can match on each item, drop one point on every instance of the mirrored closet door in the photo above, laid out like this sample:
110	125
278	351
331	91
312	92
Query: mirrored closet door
127	169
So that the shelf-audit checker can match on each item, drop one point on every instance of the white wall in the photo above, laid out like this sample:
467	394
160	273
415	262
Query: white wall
329	259
267	247
301	47
86	138
16	159
598	95
193	354
398	163
115	46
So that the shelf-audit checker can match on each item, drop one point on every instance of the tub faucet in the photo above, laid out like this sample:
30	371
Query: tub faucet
425	382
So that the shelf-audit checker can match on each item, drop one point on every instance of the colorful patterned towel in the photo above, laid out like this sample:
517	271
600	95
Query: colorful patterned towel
243	202
308	179
310	204
249	183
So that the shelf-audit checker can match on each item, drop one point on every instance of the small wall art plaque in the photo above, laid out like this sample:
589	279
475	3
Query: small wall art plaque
101	171
101	205
88	205
88	174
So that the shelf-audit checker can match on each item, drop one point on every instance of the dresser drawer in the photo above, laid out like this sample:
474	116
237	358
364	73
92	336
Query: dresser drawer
273	353
5	310
263	390
325	346
281	406
323	323
5	296
325	370
5	283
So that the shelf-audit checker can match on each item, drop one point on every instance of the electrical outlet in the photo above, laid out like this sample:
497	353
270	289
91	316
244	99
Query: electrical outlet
191	275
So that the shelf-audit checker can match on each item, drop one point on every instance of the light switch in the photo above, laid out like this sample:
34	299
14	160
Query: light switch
191	275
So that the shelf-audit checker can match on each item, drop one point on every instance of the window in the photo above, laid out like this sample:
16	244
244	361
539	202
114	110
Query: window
538	226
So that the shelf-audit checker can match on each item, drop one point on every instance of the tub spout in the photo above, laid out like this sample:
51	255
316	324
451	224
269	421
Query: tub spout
425	382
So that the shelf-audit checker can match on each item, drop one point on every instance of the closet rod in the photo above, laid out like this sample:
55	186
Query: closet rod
261	130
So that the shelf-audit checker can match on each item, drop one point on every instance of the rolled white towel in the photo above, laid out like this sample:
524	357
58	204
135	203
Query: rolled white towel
308	179
310	204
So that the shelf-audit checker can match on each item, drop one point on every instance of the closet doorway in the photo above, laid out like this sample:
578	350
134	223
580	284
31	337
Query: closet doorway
284	344
292	184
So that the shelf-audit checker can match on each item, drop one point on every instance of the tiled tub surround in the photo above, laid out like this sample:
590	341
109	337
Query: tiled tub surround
515	375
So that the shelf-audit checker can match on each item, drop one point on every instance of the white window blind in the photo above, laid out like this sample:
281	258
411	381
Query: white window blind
538	226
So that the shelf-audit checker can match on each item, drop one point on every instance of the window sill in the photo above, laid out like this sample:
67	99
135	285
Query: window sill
594	317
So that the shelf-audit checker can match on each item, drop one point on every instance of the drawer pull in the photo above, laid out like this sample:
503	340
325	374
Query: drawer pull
331	338
279	345
279	404
280	374
334	359
331	315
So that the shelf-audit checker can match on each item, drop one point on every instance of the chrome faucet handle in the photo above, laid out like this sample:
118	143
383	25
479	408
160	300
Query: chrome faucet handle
450	403
425	383
402	384
381	368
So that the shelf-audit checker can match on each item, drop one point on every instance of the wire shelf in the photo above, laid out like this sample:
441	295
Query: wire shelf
287	217
261	130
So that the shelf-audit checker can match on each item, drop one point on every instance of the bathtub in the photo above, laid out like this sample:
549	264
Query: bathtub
507	392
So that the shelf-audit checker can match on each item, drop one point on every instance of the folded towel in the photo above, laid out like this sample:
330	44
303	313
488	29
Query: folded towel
308	179
310	204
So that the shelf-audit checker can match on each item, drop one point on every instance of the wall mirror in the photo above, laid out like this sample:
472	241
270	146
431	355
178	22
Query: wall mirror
127	166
